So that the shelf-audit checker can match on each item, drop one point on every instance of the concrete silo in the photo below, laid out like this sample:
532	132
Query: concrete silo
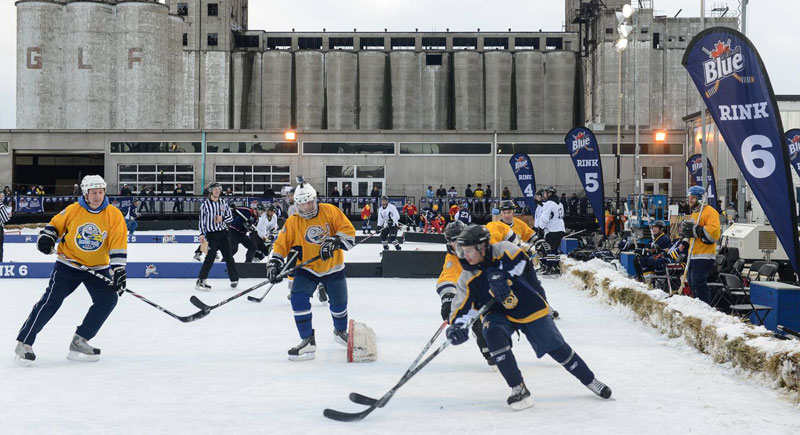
468	86
176	94
372	90
142	85
39	65
434	90
498	90
559	91
310	82
241	85
529	82
276	94
215	89
405	77
341	79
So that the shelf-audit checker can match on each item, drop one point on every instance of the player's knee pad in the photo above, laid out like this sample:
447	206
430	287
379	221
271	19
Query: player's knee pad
563	354
497	337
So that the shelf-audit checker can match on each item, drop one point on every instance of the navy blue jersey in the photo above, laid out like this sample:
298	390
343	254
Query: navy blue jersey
524	304
242	219
464	216
662	242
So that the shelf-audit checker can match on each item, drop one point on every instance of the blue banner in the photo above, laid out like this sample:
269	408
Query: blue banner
793	144
734	85
582	147
30	204
523	171
695	167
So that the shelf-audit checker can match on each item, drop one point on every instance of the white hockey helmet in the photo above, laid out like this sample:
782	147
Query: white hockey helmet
304	193
92	182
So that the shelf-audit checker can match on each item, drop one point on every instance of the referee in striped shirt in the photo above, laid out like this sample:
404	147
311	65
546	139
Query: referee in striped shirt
5	215
215	215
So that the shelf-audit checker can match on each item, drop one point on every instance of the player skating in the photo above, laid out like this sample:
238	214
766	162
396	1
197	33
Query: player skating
552	222
92	234
501	271
388	218
239	231
267	227
319	229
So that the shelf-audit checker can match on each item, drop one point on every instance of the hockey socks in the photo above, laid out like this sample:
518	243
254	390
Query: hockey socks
500	350
339	315
573	363
301	305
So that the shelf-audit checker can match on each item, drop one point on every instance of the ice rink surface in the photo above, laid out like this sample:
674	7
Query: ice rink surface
228	373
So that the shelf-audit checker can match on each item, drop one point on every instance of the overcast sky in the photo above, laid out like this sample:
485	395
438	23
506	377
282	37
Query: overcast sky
777	42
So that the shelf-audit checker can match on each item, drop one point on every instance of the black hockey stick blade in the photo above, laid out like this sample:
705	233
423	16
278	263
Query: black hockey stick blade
200	304
362	399
348	416
255	299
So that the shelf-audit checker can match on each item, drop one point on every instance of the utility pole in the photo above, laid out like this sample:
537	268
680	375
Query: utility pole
741	191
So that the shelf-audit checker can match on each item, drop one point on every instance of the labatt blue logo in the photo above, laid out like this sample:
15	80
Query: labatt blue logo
520	163
579	142
89	237
723	63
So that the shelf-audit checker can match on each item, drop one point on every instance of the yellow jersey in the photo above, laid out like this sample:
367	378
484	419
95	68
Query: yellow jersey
308	235
500	232
706	247
92	238
448	279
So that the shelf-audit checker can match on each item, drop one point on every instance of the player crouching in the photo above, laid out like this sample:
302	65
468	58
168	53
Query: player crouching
501	271
91	234
317	229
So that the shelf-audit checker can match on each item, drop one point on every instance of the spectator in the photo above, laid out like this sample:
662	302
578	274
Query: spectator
130	217
479	194
468	191
5	215
335	192
29	190
452	194
506	195
573	204
228	191
429	193
441	192
9	196
40	190
76	190
488	191
179	192
148	204
124	191
584	206
347	193
564	202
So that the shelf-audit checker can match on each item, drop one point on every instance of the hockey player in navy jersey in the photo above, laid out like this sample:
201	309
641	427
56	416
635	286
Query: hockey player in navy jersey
502	272
464	215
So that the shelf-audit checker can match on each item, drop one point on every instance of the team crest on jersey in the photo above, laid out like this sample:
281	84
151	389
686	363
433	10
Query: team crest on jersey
723	62
794	145
511	301
448	265
89	237
520	163
316	234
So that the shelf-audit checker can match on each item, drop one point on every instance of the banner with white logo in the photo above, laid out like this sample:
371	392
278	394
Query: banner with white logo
793	144
582	147
523	172
695	167
734	85
30	204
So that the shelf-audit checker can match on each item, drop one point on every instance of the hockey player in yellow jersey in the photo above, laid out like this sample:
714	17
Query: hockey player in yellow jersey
448	279
90	233
316	229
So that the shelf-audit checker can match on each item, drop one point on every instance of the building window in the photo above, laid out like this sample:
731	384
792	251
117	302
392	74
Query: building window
525	43
399	43
500	43
446	148
531	148
465	43
3	147
212	40
252	179
368	43
433	59
434	43
609	30
554	44
185	39
656	41
246	41
309	43
340	43
279	43
213	9
155	147
162	178
347	148
183	9
252	147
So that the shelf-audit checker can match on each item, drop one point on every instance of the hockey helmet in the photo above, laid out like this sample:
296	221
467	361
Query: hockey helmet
304	193
540	192
507	205
213	185
474	235
92	182
260	206
435	207
453	229
551	191
384	198
696	191
659	224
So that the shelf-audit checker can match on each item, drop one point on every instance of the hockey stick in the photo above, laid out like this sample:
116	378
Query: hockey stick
185	319
369	401
261	298
789	331
691	249
357	416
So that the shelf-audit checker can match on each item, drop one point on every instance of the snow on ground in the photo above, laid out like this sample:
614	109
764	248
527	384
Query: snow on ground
149	252
228	372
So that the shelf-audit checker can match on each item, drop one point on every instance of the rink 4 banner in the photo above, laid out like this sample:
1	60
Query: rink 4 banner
582	147
695	167
727	70
793	145
523	172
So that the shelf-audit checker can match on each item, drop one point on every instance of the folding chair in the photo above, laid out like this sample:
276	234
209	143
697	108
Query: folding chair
732	286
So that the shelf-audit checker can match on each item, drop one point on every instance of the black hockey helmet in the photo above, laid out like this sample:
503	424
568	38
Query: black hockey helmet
271	208
213	185
453	229
474	235
260	206
540	192
507	204
384	198
550	190
660	224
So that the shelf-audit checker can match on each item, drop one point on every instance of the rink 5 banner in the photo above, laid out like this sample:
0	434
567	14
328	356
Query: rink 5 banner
523	172
727	70
695	167
582	147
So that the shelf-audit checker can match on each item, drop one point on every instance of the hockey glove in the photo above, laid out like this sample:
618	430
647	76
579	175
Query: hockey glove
274	271
329	246
498	282
687	229
542	247
447	300
119	279
47	240
457	334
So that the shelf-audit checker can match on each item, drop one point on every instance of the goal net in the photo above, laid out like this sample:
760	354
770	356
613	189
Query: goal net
361	344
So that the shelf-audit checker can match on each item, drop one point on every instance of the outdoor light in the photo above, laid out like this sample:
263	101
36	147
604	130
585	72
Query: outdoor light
290	135
627	11
624	30
661	136
622	44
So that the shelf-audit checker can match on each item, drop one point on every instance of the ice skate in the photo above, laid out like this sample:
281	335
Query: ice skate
385	247
599	388
198	256
520	398
397	247
80	350
340	337
234	284
202	285
24	355
305	350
